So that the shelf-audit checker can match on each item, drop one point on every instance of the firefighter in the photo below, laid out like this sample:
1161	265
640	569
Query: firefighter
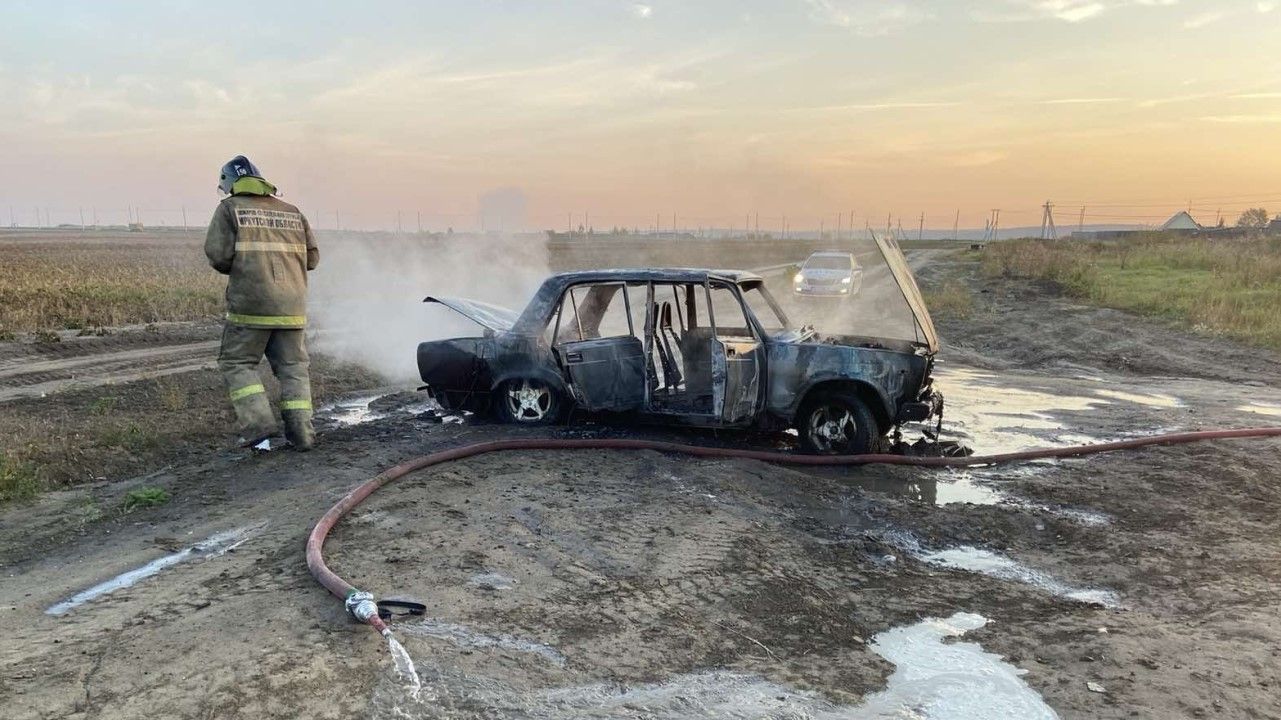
266	247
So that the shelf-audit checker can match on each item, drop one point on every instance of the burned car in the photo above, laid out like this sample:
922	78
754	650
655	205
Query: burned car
687	346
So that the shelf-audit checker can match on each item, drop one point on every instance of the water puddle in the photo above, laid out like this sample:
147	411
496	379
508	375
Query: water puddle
1261	408
354	411
994	418
932	679
464	637
212	546
986	562
360	410
1156	400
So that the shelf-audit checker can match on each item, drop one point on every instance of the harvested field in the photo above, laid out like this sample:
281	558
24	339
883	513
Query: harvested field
52	282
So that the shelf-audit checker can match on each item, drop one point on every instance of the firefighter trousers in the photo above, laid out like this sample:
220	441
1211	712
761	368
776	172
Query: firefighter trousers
242	350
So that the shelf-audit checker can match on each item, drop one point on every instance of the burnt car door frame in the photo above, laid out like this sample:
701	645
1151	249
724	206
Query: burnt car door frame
737	362
603	373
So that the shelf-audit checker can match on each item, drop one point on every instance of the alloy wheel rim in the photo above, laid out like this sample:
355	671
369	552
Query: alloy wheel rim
832	427
530	401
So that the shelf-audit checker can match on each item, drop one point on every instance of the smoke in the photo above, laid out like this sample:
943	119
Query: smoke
502	209
366	295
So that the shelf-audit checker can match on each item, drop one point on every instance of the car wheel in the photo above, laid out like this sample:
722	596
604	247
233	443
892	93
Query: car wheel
526	401
837	424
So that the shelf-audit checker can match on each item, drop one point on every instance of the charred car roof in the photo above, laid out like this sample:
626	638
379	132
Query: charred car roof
534	318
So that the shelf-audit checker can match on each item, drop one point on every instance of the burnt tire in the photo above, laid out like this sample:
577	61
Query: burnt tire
527	401
837	424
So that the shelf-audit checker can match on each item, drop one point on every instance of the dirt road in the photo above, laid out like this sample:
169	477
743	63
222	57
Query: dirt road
607	584
127	355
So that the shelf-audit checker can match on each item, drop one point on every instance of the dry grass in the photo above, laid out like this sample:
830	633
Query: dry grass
120	431
950	300
1227	287
66	283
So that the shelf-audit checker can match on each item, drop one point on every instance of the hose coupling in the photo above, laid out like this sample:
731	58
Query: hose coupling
361	605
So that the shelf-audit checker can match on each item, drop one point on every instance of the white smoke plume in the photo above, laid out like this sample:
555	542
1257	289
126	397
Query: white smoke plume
366	296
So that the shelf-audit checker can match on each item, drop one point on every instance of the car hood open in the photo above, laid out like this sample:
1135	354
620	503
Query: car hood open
494	317
911	293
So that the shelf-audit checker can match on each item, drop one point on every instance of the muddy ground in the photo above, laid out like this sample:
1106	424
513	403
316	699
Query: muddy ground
611	584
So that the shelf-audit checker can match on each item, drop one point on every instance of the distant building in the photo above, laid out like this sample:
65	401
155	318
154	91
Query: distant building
1182	222
1274	227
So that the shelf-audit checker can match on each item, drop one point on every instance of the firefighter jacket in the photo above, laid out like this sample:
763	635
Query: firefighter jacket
266	247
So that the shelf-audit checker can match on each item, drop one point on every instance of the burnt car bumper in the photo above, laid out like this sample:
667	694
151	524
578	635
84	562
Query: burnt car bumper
920	410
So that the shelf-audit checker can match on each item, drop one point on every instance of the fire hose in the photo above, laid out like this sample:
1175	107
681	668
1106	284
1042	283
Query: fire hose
363	607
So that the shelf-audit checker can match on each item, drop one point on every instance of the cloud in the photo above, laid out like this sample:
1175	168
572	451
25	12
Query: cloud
1244	119
642	11
1069	11
1265	7
869	19
1082	101
1206	18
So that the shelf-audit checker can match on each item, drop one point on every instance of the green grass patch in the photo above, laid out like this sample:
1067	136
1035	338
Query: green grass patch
18	480
145	497
1226	287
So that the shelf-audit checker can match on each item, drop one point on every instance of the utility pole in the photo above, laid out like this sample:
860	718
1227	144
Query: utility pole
1048	231
94	211
82	219
184	218
673	222
820	229
784	227
920	230
337	221
757	231
12	223
37	216
996	221
956	225
1080	223
838	227
658	223
420	221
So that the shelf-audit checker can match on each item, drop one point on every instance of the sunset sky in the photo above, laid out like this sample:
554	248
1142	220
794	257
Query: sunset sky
710	109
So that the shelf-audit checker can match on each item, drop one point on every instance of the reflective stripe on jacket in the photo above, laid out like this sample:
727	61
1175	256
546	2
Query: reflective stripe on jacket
266	247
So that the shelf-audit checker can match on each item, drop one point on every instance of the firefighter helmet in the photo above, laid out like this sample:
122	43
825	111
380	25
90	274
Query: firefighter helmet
236	168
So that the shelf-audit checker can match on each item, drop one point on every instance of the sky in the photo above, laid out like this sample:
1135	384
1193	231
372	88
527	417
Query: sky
531	115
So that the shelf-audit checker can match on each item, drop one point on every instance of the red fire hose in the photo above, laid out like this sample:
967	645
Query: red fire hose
361	604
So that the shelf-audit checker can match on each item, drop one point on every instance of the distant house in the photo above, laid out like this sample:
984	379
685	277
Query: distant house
1181	222
1274	227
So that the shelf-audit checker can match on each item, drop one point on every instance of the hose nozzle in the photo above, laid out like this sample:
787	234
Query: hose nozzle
361	606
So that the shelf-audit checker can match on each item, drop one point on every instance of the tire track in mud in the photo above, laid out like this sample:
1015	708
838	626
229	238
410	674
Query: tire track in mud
26	377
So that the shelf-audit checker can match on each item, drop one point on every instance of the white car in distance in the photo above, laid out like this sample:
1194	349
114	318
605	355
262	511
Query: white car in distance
832	274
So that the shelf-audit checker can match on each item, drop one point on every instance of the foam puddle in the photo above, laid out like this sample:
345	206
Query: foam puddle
932	679
465	637
212	546
986	562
